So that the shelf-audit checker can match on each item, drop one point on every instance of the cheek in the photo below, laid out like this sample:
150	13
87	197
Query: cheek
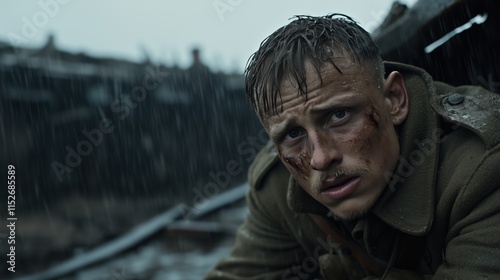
377	138
360	140
297	162
374	127
366	139
373	116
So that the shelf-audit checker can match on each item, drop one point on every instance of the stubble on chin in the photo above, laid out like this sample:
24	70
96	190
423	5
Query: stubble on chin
349	216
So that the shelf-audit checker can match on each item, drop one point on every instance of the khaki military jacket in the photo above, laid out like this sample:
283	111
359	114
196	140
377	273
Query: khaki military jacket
441	207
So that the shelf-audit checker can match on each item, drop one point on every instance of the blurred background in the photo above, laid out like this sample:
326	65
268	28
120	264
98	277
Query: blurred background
114	113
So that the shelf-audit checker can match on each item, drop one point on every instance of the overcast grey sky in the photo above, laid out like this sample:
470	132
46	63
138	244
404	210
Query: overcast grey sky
227	31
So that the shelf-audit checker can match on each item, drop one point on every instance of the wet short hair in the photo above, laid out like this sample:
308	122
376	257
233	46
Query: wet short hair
318	39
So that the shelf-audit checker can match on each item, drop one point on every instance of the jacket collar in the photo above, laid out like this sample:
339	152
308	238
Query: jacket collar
407	204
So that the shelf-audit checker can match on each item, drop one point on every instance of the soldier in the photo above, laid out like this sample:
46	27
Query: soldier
374	170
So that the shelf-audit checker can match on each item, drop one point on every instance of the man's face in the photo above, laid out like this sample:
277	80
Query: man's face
339	142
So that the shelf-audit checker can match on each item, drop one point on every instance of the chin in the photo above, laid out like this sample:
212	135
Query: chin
351	213
347	215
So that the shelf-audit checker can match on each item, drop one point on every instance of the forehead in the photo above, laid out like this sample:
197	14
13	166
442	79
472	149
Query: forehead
345	78
344	72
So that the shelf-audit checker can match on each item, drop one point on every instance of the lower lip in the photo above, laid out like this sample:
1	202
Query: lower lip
343	190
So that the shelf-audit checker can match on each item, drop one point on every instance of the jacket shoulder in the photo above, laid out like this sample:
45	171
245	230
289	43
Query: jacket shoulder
472	107
263	163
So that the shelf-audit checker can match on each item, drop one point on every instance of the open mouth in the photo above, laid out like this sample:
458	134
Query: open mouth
339	187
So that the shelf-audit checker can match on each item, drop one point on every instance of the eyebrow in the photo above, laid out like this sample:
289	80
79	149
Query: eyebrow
337	101
277	130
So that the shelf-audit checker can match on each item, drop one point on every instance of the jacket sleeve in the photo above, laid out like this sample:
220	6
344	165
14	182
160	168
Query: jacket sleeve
264	248
472	248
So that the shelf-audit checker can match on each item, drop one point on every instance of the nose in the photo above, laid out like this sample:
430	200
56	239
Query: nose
324	153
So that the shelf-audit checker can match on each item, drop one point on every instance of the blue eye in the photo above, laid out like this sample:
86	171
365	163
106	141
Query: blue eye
338	115
294	133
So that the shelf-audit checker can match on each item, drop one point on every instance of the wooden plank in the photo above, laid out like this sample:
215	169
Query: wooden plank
412	30
142	232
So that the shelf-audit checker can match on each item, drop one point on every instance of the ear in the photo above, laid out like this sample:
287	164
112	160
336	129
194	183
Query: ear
396	97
